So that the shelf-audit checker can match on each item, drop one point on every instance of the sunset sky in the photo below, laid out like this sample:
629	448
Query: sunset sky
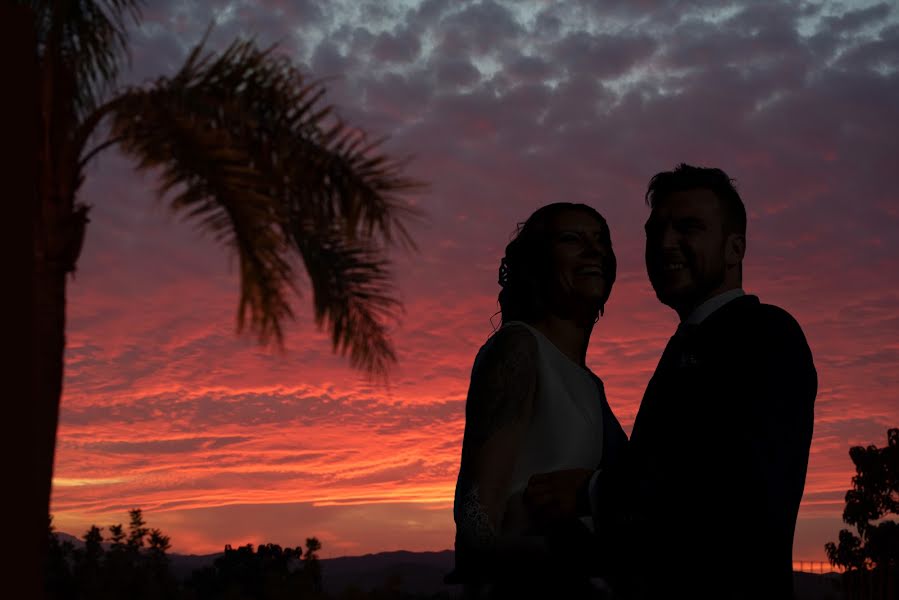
504	106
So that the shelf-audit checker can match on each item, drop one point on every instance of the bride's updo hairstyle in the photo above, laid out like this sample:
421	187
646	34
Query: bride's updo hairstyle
525	269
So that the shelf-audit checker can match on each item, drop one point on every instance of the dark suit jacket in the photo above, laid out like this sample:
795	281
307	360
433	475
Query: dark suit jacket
704	503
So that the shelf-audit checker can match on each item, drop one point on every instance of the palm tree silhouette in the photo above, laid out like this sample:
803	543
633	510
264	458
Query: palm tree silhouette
245	150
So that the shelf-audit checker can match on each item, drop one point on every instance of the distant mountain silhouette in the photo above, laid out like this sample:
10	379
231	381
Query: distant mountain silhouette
75	541
413	572
422	572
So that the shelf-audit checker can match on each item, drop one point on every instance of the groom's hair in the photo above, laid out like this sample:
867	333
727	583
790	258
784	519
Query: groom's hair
687	177
525	269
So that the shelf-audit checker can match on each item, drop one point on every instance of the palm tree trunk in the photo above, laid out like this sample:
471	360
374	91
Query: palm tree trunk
57	245
50	305
44	230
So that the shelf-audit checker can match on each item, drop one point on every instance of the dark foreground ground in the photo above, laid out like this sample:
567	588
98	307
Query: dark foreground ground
422	573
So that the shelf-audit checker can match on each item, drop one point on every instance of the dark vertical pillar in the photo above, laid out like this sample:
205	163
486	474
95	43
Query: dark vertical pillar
24	495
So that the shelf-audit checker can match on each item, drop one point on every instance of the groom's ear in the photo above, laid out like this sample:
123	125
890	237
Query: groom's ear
734	249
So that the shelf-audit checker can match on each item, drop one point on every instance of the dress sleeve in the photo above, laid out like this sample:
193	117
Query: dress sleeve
498	410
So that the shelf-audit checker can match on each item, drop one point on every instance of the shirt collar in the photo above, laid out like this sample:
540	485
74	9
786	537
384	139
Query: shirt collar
702	311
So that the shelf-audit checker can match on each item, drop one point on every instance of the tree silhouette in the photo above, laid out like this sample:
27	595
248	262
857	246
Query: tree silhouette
117	538
110	569
113	569
158	545
269	572
58	575
137	531
245	150
93	545
87	563
874	495
311	566
847	553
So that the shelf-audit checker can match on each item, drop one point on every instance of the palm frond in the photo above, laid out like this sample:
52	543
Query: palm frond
243	138
88	39
214	185
325	169
351	285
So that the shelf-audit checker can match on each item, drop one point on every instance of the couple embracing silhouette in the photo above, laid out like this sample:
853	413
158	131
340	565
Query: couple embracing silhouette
553	500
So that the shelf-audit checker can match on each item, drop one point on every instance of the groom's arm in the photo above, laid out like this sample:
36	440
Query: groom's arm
787	385
781	390
604	496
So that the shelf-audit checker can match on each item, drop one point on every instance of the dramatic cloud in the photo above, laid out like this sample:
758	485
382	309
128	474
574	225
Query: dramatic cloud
505	106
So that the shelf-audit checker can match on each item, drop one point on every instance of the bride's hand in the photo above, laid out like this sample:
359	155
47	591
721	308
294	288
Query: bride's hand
550	497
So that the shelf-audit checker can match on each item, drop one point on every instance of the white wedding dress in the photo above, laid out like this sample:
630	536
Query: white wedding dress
564	431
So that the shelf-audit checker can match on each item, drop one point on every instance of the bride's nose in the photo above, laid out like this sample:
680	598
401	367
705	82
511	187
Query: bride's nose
594	247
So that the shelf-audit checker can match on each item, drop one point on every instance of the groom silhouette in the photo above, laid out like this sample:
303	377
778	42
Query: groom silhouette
704	503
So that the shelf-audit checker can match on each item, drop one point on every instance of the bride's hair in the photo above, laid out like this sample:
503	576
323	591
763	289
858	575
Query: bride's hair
524	270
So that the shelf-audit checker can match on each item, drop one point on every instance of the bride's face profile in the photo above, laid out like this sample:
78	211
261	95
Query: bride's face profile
582	263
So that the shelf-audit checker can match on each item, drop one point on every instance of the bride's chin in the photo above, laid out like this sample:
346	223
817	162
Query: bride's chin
588	311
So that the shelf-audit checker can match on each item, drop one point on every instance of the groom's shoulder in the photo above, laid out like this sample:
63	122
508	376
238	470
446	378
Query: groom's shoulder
769	322
777	318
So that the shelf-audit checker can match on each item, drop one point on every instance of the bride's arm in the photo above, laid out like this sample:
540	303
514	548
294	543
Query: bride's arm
498	410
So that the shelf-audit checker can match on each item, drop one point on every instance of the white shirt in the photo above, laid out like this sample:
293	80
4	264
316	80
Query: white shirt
702	311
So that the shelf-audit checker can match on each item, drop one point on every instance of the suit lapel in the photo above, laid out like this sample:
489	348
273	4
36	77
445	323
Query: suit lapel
673	358
652	395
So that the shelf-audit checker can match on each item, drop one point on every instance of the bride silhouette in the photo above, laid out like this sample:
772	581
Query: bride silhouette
533	407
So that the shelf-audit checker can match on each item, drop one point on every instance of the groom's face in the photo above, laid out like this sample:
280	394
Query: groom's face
685	248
